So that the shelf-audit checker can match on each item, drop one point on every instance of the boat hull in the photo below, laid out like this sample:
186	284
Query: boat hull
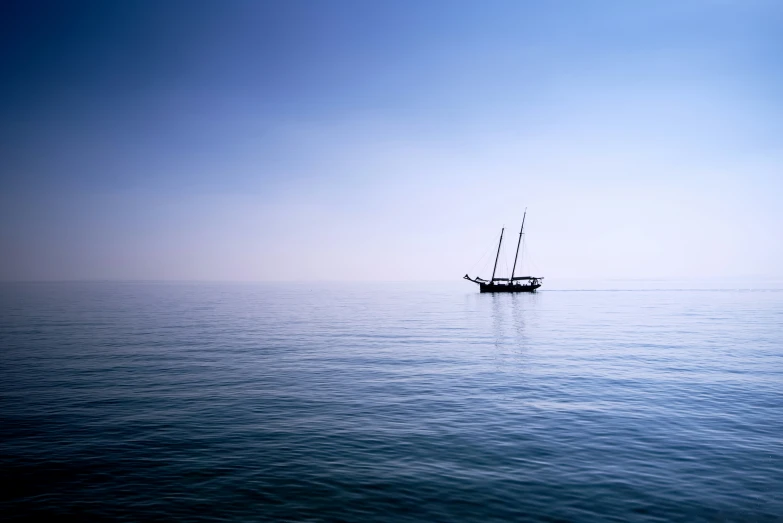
489	287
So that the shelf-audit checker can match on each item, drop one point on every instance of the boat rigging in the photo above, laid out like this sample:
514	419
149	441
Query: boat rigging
514	283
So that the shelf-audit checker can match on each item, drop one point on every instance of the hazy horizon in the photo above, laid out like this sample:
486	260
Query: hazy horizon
390	141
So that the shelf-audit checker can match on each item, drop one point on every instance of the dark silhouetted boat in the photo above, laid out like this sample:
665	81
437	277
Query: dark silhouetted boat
514	283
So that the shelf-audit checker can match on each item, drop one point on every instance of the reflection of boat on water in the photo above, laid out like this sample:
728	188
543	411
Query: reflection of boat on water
514	283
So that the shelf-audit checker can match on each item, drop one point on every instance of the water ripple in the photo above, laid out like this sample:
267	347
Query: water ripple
389	402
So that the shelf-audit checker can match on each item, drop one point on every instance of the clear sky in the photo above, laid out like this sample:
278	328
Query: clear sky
390	140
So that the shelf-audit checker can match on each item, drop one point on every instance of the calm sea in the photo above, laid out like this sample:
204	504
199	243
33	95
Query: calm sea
390	402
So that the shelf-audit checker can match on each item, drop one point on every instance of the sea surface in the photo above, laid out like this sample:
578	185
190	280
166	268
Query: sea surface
629	401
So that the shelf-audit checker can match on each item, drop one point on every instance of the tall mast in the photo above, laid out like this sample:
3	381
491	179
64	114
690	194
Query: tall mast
498	254
518	243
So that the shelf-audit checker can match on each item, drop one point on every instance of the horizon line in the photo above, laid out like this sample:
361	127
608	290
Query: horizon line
193	280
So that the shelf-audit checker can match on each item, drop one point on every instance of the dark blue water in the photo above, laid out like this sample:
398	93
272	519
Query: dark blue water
389	402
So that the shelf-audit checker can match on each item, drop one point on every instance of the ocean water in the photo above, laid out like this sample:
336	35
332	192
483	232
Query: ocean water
390	402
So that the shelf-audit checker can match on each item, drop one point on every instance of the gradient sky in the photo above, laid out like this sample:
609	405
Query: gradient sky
341	140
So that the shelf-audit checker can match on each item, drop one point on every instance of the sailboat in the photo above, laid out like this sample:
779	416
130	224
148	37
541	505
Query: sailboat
514	283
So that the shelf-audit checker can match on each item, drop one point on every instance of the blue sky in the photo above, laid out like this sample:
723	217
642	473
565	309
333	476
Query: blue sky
389	140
